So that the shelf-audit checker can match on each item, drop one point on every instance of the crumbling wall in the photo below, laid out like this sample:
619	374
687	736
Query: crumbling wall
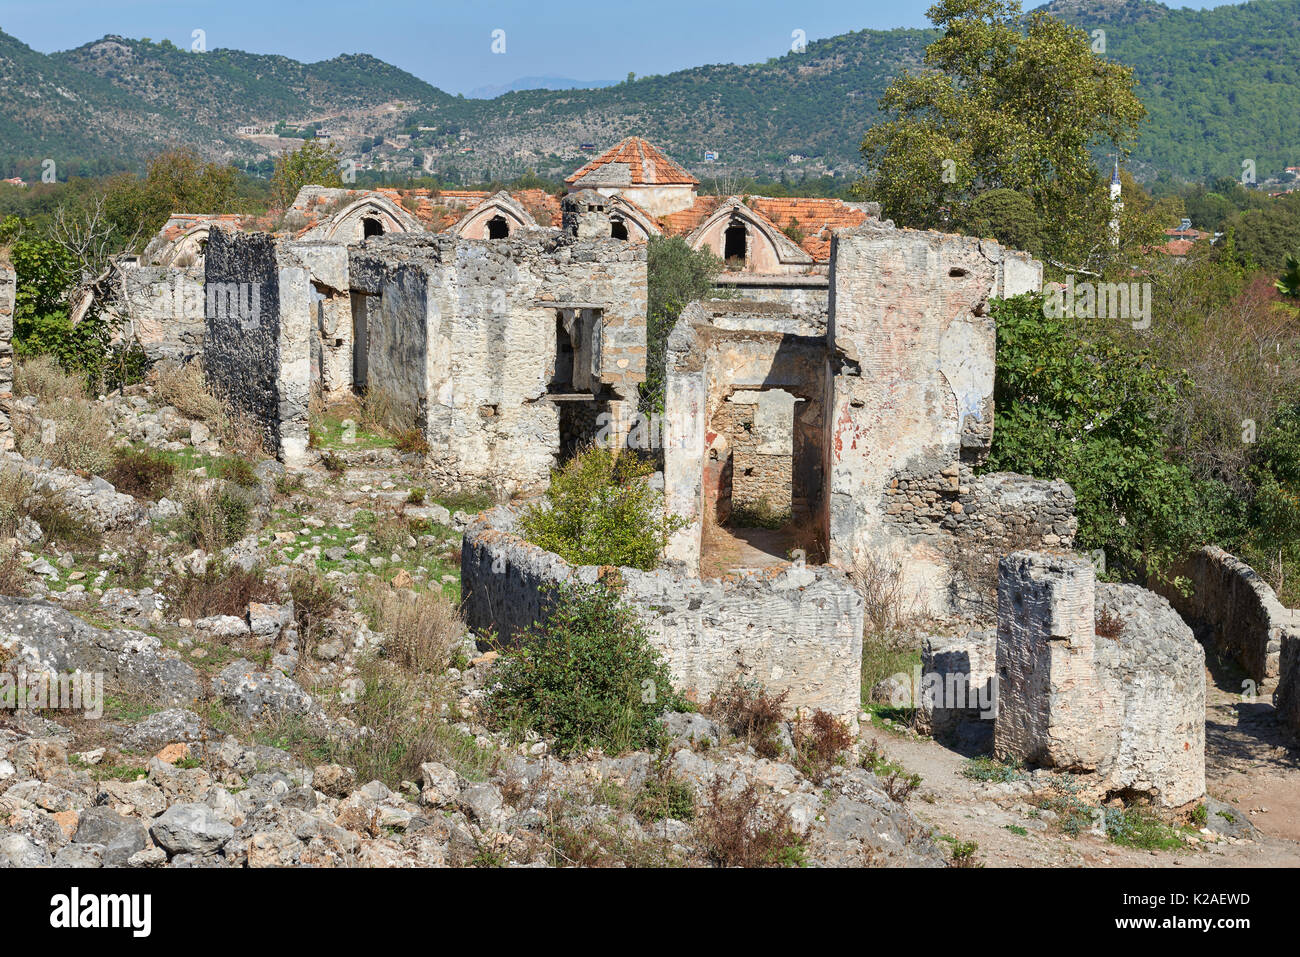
488	313
165	308
1102	679
1236	607
913	351
797	631
1155	669
804	297
257	345
8	296
331	317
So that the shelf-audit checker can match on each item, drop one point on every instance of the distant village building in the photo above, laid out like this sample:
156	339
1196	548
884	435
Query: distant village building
16	181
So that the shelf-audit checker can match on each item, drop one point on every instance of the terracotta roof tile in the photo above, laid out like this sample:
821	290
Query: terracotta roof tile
646	164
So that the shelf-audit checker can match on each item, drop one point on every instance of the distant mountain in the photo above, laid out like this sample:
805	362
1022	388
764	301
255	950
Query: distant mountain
1222	86
536	83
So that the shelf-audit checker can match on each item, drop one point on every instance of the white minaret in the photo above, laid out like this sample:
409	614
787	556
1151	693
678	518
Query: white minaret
1116	204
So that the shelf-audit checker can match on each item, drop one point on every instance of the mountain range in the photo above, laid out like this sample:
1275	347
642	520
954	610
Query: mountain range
1221	85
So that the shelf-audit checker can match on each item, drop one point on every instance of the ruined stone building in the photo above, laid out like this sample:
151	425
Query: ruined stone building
775	250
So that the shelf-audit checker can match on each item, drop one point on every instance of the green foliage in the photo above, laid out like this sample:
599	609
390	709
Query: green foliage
1085	409
1288	284
1140	828
1006	103
677	275
601	510
313	163
991	771
589	679
1007	216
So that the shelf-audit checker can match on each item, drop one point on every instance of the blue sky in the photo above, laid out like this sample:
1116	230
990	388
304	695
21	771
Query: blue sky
449	42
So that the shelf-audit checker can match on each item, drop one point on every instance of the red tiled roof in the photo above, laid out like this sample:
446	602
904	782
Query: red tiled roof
684	220
814	217
646	164
541	205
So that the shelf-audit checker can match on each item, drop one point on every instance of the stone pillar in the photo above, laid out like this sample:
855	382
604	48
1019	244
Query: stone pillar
8	294
1052	710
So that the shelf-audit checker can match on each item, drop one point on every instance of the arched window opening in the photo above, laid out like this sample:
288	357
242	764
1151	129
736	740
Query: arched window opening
371	227
618	229
498	228
735	244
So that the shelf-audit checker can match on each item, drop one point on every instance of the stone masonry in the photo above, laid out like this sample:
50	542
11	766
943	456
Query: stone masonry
797	630
1238	610
1098	679
257	348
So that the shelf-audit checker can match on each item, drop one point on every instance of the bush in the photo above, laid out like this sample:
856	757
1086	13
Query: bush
83	435
819	743
590	679
736	830
421	630
141	473
411	440
600	510
185	389
314	602
235	470
219	590
664	796
214	517
750	713
43	377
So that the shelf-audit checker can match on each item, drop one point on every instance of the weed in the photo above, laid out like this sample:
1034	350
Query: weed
737	830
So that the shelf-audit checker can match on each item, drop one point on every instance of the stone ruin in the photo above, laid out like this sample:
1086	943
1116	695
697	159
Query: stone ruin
1102	680
849	393
502	354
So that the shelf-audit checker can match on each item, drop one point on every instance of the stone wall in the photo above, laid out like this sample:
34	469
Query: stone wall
8	294
257	345
165	308
912	393
796	630
1100	679
490	316
1154	669
807	297
1236	608
1287	696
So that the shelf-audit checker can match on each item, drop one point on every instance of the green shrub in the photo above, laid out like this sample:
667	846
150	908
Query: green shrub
214	518
141	473
600	510
665	797
589	679
236	470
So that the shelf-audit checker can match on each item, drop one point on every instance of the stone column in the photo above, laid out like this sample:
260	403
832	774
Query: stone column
1052	710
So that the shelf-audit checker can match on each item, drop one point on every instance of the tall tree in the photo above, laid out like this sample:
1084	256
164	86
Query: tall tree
314	163
1006	102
